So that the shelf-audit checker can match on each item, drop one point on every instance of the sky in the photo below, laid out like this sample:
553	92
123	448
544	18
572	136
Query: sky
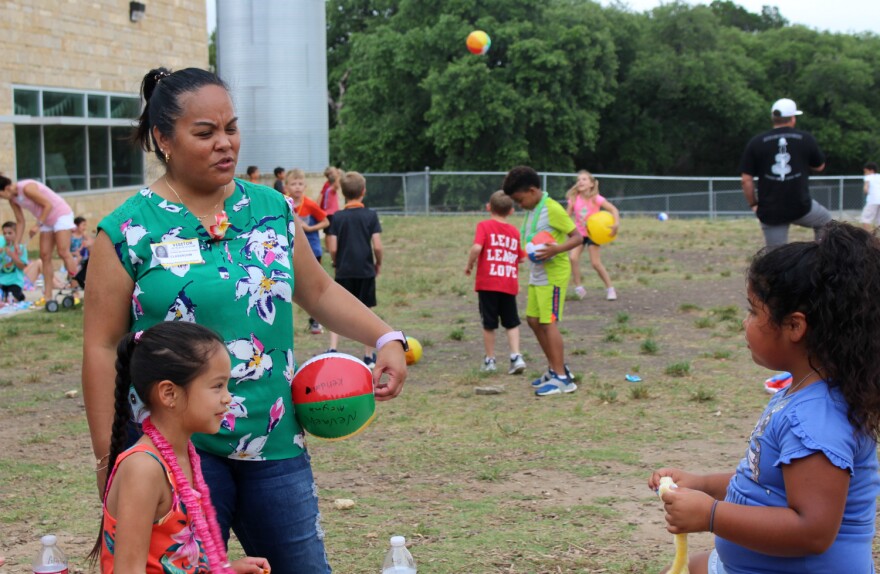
845	16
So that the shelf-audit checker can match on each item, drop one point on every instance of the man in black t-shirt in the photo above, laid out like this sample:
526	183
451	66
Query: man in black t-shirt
781	159
353	240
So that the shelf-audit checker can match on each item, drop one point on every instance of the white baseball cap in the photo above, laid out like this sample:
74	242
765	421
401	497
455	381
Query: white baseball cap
785	108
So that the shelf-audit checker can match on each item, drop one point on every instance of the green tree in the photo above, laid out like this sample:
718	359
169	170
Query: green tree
834	78
346	18
732	14
685	102
570	84
416	97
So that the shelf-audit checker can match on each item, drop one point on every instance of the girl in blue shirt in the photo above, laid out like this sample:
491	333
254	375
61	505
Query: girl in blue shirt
803	498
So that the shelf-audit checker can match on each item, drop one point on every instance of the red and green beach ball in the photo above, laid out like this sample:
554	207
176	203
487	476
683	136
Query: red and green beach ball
333	396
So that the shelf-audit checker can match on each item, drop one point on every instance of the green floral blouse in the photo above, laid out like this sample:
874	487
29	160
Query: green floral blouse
241	286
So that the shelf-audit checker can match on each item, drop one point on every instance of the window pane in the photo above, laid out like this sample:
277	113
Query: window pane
26	103
126	108
65	157
27	152
63	104
128	159
97	106
99	157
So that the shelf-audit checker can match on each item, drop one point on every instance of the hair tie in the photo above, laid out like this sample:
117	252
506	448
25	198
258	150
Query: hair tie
160	76
137	337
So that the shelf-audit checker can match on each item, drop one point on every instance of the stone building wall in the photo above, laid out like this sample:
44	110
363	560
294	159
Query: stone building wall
91	45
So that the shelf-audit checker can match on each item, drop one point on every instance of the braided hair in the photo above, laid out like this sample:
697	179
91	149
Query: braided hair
175	351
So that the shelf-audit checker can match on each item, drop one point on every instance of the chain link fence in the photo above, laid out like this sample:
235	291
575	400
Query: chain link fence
451	192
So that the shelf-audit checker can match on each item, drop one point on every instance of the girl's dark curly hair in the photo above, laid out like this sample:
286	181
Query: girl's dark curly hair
835	283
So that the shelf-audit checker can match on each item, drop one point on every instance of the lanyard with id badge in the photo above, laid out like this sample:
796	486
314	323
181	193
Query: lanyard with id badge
536	240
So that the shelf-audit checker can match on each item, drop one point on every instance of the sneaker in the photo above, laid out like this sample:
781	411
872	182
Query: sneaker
517	365
489	365
541	380
315	327
330	350
580	291
610	294
555	386
41	302
777	383
370	361
548	374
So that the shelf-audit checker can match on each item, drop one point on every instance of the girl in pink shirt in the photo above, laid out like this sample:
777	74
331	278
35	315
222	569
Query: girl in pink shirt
583	201
329	197
54	222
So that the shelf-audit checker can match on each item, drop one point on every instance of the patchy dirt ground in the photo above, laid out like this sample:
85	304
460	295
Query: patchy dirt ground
506	483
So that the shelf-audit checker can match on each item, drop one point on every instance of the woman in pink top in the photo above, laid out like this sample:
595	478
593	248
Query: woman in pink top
583	201
54	221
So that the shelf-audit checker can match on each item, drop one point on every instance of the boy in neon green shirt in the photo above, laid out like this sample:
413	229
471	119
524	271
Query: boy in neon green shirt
548	276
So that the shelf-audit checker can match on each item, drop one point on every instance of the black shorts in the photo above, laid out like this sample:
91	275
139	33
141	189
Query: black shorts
364	288
15	290
588	241
494	304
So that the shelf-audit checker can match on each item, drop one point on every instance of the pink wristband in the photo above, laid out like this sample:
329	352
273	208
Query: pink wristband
390	336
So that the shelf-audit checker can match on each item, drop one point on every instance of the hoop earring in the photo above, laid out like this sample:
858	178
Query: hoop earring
167	157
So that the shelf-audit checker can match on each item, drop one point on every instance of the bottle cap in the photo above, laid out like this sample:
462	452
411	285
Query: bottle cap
398	541
49	540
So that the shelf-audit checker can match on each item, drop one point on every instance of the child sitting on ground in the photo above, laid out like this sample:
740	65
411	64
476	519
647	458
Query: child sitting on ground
497	252
804	497
13	260
158	515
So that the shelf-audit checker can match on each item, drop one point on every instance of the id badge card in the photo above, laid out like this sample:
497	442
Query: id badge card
177	252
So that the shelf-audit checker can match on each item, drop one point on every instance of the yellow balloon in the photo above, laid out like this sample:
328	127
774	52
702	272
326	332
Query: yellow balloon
414	355
599	227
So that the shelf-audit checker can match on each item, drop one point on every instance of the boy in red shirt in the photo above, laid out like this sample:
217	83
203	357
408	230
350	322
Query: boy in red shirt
497	252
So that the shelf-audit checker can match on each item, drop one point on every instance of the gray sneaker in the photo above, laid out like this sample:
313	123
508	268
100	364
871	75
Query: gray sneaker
517	365
489	365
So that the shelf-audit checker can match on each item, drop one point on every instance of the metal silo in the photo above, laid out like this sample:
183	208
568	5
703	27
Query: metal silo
273	55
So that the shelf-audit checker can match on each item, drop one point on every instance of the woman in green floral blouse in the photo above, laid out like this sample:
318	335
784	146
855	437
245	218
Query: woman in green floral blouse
198	245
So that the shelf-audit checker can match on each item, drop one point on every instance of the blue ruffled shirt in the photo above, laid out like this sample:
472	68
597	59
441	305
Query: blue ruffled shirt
792	427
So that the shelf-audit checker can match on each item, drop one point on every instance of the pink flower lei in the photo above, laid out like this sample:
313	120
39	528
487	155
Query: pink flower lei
204	522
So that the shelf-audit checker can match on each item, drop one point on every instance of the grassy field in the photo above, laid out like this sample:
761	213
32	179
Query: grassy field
506	483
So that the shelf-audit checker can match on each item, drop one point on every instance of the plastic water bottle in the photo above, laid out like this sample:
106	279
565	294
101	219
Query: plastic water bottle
398	560
50	559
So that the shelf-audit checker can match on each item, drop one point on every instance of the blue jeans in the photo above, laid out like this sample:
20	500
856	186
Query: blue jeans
272	506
